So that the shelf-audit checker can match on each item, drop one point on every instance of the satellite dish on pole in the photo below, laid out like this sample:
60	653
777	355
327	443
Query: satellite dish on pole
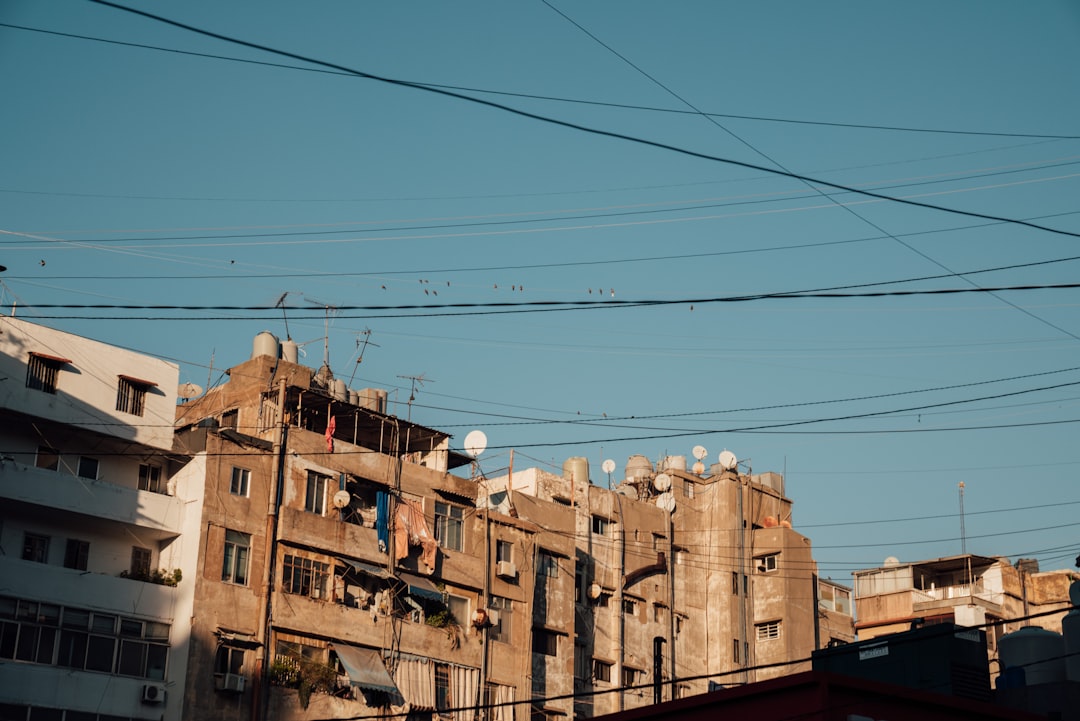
728	461
666	502
187	391
700	452
342	499
662	482
608	466
475	443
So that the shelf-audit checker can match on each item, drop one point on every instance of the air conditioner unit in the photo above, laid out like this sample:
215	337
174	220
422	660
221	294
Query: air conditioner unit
506	569
233	682
153	693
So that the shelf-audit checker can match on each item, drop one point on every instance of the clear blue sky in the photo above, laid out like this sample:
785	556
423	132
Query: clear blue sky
139	176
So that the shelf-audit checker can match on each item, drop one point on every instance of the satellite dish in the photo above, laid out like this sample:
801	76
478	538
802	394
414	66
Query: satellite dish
626	489
666	501
662	482
187	391
608	466
700	452
892	561
699	468
342	499
475	443
595	591
728	461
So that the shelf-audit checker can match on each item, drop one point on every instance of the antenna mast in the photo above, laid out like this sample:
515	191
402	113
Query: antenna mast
963	534
416	381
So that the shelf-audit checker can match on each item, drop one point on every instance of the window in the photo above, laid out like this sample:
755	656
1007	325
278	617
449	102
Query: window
735	582
131	395
630	676
47	458
448	525
230	419
304	576
500	631
88	468
43	370
768	564
35	548
229	660
241	479
547	565
140	562
80	639
689	488
600	525
149	478
442	688
76	554
767	631
735	650
601	670
459	609
234	569
504	551
629	606
545	642
658	611
315	498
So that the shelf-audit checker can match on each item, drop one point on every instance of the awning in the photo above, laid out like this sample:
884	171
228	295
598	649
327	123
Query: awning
365	668
236	639
421	587
138	381
368	568
51	358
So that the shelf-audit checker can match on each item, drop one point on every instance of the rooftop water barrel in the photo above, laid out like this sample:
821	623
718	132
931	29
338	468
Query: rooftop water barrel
673	463
576	469
290	351
266	343
340	390
1038	651
638	468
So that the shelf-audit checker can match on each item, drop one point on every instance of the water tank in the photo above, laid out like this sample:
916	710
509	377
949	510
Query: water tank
266	343
340	390
1070	629
638	468
1038	651
354	397
290	351
673	463
576	469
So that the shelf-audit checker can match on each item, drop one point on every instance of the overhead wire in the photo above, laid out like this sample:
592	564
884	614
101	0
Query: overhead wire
577	126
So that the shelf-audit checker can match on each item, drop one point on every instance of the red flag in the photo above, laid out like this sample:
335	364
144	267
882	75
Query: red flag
330	428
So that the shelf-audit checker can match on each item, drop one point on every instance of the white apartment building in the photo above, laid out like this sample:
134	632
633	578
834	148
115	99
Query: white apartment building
95	601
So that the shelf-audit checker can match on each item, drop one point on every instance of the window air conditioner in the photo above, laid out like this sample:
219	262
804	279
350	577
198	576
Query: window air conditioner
153	693
233	682
506	569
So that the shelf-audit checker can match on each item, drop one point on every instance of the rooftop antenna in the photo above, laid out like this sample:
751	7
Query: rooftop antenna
327	307
360	357
281	304
963	534
416	381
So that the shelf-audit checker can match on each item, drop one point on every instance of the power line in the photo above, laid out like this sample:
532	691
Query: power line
579	127
534	96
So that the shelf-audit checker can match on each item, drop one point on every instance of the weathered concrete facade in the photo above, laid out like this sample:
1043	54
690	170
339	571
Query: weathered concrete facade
968	590
703	593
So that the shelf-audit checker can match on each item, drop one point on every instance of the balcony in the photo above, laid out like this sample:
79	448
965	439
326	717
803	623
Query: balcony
64	492
945	597
330	534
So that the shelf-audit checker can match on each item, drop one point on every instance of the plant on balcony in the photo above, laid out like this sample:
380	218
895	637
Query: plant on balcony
306	676
160	576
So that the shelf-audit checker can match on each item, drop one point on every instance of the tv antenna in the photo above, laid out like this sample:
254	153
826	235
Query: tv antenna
366	333
281	304
416	382
327	307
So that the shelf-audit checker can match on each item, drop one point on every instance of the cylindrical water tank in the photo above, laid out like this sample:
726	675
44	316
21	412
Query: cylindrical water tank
674	463
381	396
638	468
266	343
1038	651
1070	629
290	351
576	469
354	397
340	390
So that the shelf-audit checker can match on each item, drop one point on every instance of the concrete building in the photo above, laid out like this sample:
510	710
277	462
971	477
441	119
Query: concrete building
344	571
95	597
694	575
968	590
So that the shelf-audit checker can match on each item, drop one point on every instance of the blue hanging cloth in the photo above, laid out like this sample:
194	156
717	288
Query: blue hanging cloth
382	519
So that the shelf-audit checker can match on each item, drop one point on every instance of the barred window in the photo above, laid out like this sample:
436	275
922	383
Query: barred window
42	371
131	395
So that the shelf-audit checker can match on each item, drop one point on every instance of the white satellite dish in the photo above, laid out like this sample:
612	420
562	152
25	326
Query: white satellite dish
342	499
666	501
475	443
700	452
595	590
698	468
608	466
187	391
662	482
728	461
